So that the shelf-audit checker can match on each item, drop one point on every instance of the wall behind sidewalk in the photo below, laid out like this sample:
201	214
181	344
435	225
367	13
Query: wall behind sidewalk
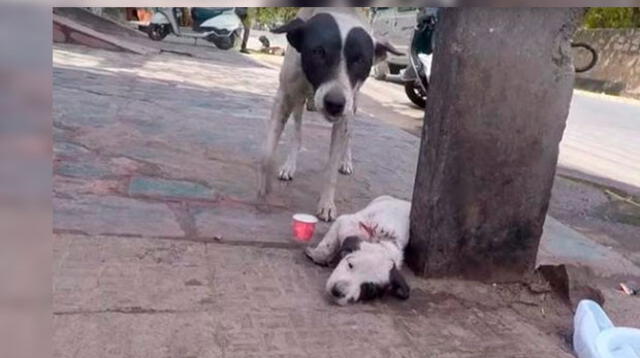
618	67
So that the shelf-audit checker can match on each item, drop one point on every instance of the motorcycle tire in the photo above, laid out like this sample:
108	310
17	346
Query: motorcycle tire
225	43
594	57
415	94
157	32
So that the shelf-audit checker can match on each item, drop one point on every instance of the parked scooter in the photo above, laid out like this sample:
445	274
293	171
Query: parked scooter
219	25
416	75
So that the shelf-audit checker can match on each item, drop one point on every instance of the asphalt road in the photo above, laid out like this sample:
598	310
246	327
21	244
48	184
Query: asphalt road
601	142
602	139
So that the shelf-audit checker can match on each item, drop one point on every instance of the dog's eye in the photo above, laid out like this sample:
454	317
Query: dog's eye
350	265
318	51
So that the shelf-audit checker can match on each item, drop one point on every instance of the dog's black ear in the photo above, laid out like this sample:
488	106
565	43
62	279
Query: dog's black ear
349	245
382	46
370	291
294	30
399	286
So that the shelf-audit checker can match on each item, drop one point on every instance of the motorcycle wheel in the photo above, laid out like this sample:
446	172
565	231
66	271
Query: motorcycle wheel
415	94
590	54
157	32
225	43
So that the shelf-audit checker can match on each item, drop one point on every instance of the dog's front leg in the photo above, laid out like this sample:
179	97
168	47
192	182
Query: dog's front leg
279	114
339	134
289	167
346	167
327	247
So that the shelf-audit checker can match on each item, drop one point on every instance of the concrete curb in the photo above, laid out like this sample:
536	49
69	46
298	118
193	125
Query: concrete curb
600	86
69	31
561	244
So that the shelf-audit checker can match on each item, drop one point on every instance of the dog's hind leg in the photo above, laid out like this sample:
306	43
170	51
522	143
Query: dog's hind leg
279	115
289	167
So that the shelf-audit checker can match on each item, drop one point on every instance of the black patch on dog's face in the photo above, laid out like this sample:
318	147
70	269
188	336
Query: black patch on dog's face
370	291
349	245
397	286
358	53
320	49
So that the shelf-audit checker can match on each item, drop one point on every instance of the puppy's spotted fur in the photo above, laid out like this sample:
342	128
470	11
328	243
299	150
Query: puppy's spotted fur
370	248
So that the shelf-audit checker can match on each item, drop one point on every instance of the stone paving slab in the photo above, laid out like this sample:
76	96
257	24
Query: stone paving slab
125	275
178	189
239	222
96	215
123	297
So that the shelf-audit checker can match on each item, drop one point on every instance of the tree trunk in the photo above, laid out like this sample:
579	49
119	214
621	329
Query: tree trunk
502	81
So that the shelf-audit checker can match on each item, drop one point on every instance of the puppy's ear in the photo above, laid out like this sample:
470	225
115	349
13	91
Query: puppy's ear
399	286
294	30
349	245
382	46
369	291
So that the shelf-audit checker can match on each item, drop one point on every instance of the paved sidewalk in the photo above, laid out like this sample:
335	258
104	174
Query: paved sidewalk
175	139
160	249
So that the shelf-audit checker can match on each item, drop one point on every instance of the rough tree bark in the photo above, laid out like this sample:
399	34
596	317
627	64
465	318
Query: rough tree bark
502	81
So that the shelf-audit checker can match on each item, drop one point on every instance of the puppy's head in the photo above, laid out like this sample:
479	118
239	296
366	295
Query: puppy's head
337	54
365	271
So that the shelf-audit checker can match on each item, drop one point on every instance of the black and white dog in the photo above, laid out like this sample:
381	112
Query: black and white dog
330	55
370	246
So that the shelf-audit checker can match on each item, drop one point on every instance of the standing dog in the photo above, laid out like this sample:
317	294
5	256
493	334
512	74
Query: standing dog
330	54
370	246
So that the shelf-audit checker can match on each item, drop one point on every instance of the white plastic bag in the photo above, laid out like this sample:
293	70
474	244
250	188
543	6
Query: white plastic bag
594	335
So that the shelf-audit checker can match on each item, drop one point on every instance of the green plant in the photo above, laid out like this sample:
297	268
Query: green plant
612	17
270	16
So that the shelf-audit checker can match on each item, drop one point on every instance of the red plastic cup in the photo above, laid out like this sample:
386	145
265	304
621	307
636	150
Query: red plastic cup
303	227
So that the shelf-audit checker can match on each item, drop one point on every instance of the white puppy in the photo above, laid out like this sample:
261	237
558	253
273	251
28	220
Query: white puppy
370	246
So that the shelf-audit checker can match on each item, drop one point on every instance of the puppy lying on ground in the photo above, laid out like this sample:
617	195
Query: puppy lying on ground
370	248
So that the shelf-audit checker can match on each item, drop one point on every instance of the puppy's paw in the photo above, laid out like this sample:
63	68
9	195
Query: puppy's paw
327	210
312	255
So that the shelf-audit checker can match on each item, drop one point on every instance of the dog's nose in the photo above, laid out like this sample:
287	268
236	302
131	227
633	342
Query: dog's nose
334	102
335	292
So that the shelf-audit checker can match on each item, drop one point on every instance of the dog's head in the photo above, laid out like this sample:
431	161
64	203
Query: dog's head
365	271
337	54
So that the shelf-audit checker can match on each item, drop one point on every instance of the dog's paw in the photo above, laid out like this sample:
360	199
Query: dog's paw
312	255
327	210
287	171
346	168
